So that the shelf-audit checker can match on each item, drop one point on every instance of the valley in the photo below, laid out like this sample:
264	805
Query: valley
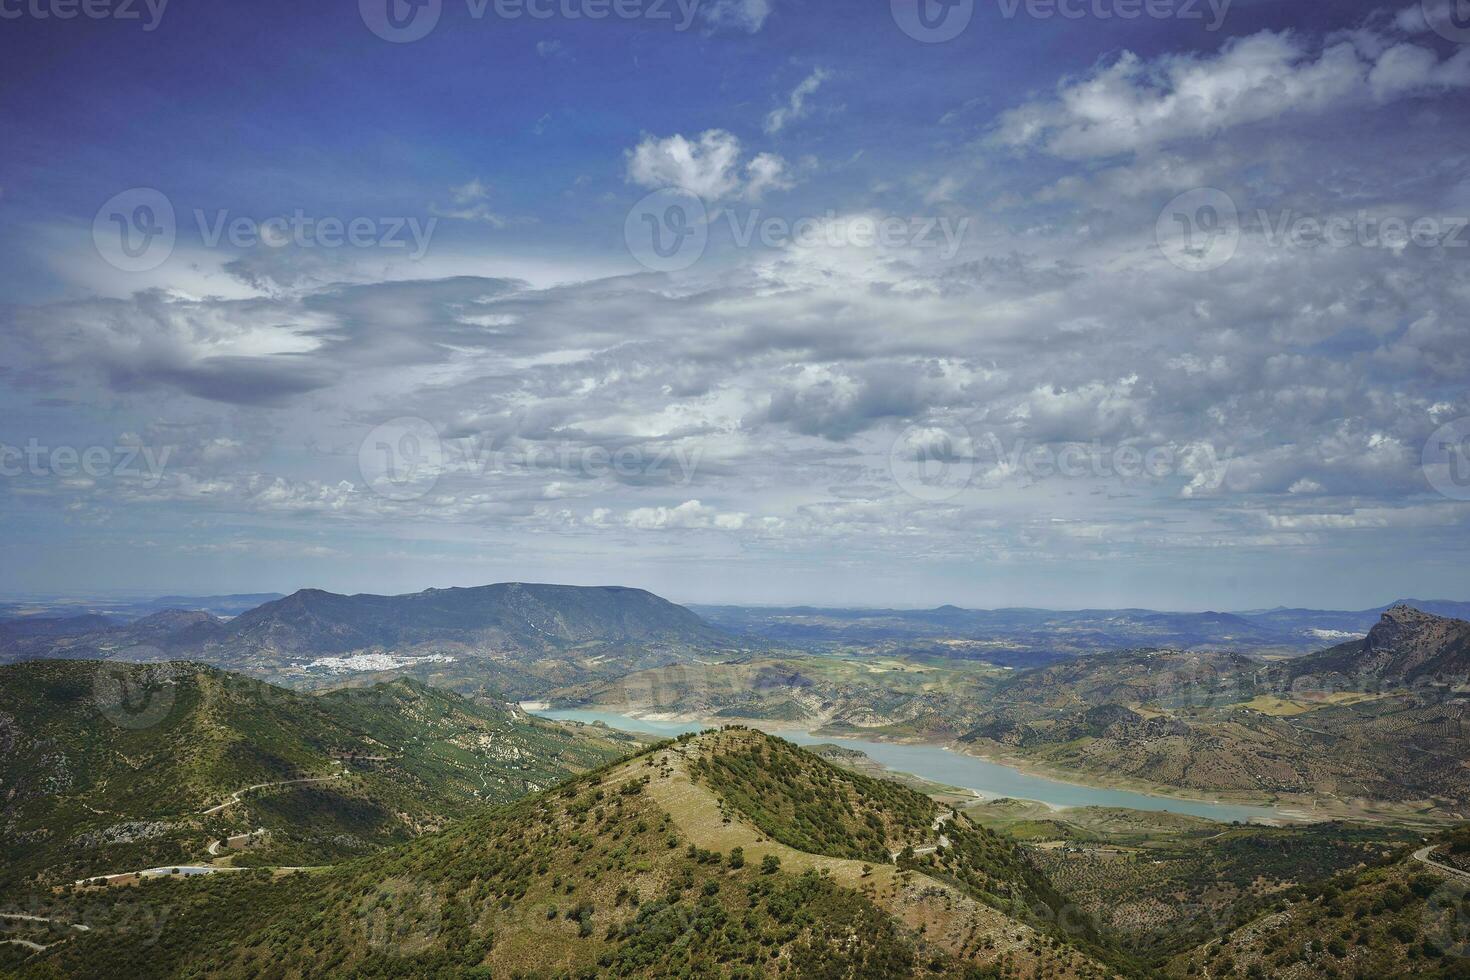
1371	729
946	766
713	804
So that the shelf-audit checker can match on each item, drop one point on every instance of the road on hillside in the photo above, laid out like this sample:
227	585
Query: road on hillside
189	870
1422	855
236	796
41	918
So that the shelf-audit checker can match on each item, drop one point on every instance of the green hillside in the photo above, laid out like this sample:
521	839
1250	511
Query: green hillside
113	767
803	801
627	871
1400	918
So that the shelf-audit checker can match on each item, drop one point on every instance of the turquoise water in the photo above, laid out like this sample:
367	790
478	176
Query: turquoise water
942	765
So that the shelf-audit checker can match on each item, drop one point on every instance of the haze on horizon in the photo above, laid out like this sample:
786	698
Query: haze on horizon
1100	312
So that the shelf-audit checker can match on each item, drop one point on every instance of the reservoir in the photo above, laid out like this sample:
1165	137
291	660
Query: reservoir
941	765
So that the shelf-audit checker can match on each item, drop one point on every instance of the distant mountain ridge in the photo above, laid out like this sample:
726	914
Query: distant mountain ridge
1024	636
313	621
1406	645
515	638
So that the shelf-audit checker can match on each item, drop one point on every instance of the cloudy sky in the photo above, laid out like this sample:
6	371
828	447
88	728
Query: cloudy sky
1097	303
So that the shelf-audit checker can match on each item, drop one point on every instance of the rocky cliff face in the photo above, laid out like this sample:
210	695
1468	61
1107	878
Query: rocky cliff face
1406	646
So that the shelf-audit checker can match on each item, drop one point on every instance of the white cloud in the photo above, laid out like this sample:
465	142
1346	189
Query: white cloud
745	15
708	167
1133	104
796	105
690	515
470	204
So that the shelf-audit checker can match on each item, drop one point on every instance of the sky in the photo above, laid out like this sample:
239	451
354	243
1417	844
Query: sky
1019	302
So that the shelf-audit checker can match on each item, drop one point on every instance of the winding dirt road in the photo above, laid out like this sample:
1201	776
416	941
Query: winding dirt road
239	794
189	870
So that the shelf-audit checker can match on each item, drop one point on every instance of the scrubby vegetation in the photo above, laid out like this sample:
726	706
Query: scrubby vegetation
805	802
589	879
109	767
1391	921
810	805
1167	892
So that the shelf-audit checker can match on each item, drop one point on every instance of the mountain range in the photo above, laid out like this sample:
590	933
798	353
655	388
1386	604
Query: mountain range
1027	637
735	854
516	638
729	854
1379	723
399	830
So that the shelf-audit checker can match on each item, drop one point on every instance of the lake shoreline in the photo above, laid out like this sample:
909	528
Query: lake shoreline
1285	809
1273	813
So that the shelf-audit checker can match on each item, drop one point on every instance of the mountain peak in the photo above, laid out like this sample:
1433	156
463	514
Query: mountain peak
1406	644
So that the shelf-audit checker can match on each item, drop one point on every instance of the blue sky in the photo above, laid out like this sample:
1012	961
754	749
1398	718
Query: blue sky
1136	331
